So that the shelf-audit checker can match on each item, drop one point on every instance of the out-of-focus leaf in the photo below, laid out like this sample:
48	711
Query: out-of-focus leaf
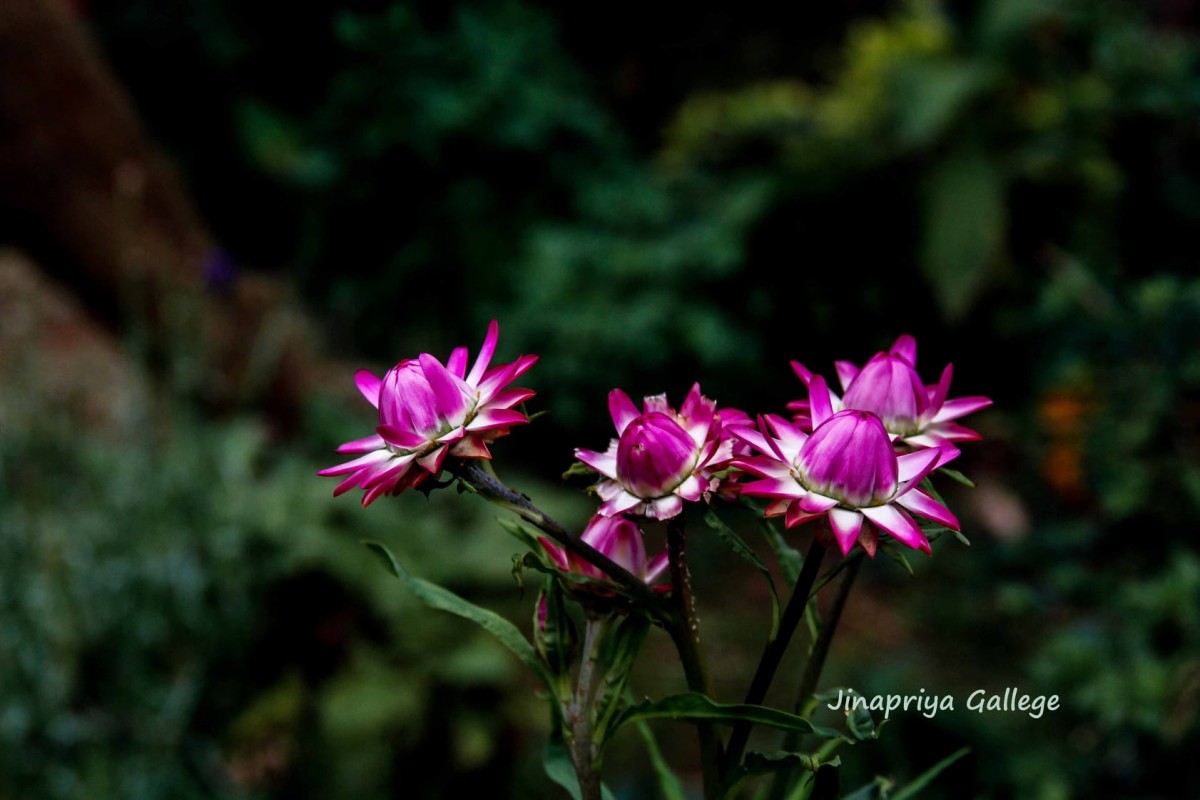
927	777
963	228
668	781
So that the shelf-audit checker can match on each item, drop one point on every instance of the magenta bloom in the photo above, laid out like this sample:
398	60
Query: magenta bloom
888	386
428	411
662	456
846	470
616	537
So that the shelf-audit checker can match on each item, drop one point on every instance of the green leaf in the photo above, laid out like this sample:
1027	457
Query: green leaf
668	782
618	650
554	636
578	468
522	533
695	707
957	476
933	96
927	777
895	553
964	221
861	724
757	764
739	546
557	764
788	557
441	599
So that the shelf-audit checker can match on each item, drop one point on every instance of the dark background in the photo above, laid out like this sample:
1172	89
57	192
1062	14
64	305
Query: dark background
215	211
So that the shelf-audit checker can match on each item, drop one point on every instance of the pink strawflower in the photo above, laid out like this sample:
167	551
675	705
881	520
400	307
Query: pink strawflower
661	456
619	539
889	387
427	412
846	470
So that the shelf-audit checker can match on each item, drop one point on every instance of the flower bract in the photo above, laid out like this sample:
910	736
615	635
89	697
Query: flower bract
847	471
618	538
429	411
889	387
661	457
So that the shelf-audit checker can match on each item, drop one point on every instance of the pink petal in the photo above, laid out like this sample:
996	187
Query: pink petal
604	463
692	489
846	372
846	526
791	438
367	443
457	363
453	397
664	507
938	396
656	566
802	372
619	503
815	503
485	354
622	409
510	397
820	401
401	437
471	447
432	461
375	457
899	525
491	418
960	407
774	487
918	502
369	385
905	347
796	517
915	466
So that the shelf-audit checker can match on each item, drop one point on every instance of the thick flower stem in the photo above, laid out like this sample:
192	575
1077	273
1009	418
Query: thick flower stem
685	633
773	652
578	713
812	670
495	491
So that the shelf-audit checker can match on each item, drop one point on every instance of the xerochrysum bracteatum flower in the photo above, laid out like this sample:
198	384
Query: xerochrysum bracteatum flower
889	387
616	537
661	456
846	470
428	411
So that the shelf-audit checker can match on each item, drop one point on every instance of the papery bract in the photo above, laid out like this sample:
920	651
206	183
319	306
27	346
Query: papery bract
616	537
846	470
428	411
889	387
661	456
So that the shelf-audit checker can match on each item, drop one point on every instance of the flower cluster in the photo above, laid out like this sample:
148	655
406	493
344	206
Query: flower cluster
855	460
860	458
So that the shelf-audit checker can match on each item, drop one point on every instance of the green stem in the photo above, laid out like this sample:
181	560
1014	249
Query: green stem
685	633
495	491
578	713
812	670
775	649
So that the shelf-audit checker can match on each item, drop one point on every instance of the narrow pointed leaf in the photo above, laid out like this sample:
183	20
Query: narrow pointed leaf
668	782
695	707
442	599
738	545
927	777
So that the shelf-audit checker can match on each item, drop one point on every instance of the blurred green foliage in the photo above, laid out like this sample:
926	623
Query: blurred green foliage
1016	182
